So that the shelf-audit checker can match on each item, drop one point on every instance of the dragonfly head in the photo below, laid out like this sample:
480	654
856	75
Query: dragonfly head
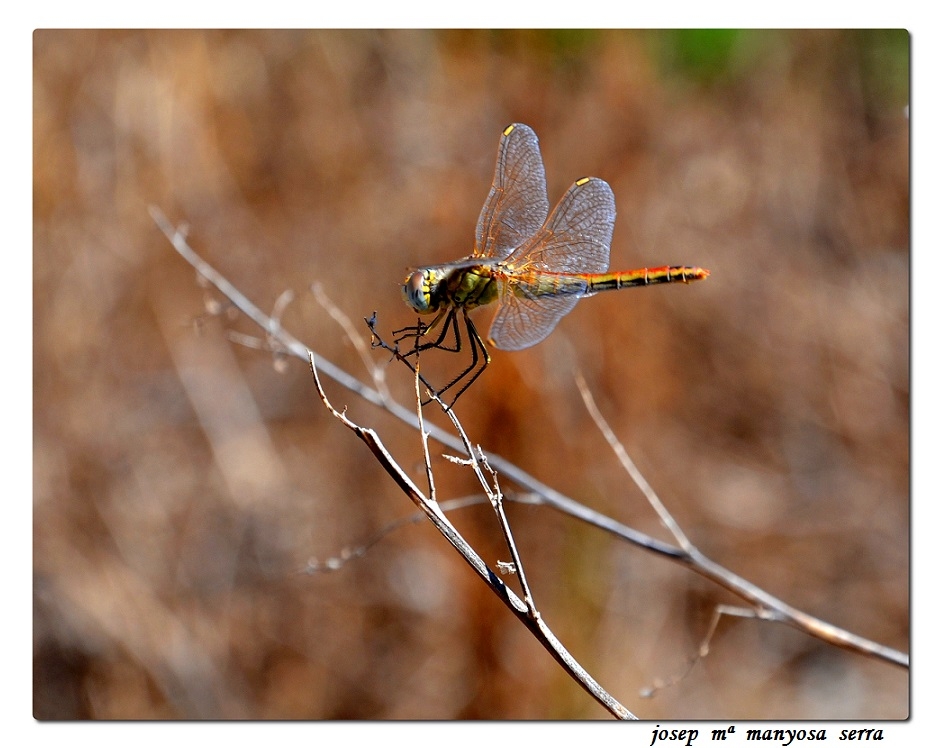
416	291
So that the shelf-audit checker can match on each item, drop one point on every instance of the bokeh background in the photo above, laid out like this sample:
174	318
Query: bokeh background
181	482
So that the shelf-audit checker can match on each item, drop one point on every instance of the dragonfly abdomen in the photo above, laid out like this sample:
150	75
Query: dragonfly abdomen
540	284
537	285
644	277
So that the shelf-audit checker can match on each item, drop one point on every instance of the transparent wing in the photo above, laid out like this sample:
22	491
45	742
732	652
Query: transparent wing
517	204
576	237
522	322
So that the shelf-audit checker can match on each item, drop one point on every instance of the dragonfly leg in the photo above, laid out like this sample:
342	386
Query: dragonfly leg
420	330
479	360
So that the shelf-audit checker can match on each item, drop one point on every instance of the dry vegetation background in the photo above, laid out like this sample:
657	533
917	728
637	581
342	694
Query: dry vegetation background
180	481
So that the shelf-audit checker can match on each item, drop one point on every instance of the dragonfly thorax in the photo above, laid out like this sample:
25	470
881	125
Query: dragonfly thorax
431	289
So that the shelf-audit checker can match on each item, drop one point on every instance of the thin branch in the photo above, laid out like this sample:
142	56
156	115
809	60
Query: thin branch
497	502
626	462
425	447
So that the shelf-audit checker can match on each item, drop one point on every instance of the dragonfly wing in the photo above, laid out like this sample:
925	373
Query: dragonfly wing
521	322
574	239
518	203
577	235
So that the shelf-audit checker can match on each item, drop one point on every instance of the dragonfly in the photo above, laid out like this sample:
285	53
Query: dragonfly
533	264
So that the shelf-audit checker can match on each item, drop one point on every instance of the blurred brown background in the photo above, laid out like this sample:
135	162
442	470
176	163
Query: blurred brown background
180	481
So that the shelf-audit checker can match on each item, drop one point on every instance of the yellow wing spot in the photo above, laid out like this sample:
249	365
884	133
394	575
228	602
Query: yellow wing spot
508	130
582	181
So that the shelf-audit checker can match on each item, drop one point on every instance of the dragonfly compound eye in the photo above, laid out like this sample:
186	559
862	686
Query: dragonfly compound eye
416	293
